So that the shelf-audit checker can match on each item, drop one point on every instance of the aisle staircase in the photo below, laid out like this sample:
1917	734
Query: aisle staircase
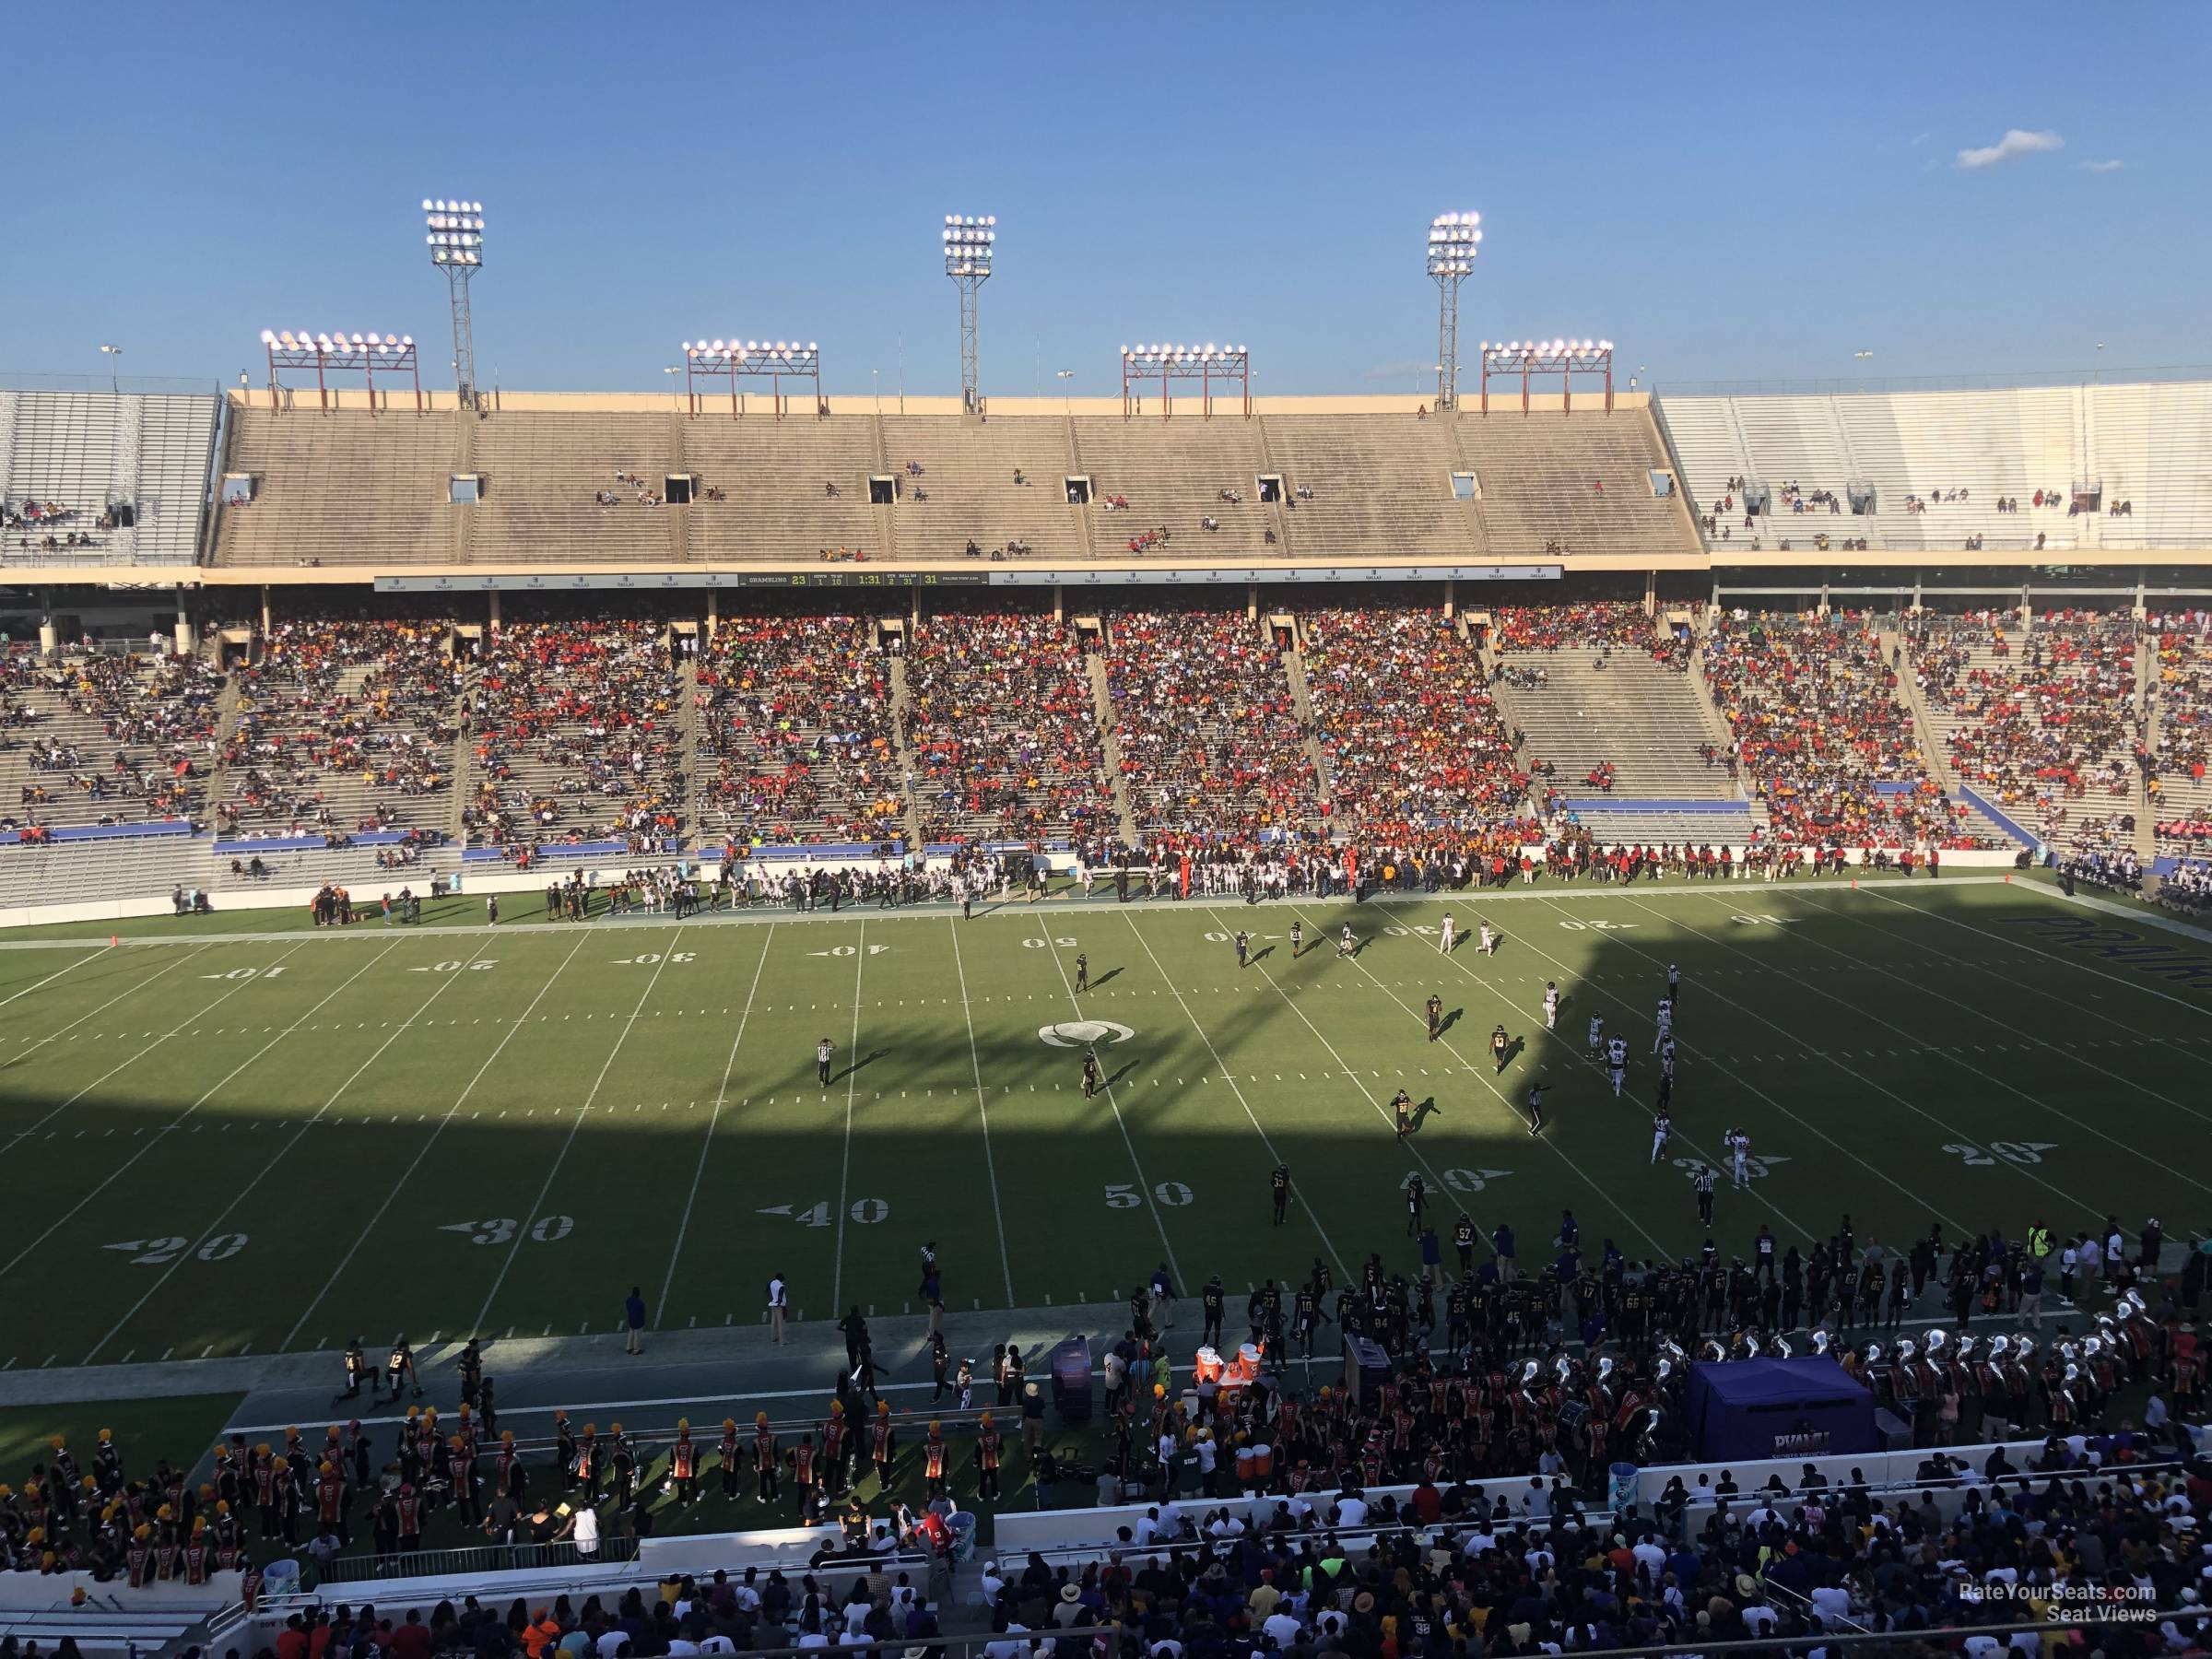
902	720
1110	745
1301	699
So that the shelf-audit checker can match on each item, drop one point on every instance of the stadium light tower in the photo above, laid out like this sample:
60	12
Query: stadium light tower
1454	240
456	241
969	242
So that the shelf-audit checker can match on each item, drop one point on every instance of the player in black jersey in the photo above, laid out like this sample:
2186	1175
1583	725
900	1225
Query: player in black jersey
1278	1187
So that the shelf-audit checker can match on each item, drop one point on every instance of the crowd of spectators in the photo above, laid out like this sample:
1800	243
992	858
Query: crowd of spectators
1819	726
797	735
1412	739
577	728
1520	629
1211	742
1003	734
107	738
2175	771
343	723
52	526
2042	717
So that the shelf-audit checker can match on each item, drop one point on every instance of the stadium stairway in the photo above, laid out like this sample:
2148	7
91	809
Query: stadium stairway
903	720
1935	754
1110	744
1301	699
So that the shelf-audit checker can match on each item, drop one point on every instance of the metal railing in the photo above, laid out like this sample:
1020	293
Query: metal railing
482	1557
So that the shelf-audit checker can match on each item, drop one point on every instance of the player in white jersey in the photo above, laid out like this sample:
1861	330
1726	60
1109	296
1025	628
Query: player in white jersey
1597	1035
1450	936
1663	1129
1617	1061
1673	981
1663	1025
1344	943
1739	1155
1551	1005
1488	939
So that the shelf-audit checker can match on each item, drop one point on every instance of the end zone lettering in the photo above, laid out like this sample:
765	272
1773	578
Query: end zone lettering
2126	947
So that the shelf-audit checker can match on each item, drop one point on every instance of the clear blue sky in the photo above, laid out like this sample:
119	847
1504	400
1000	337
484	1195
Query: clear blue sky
1725	191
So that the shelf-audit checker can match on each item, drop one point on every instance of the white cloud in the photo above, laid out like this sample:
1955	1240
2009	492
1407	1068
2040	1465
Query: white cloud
2016	142
1921	138
2101	166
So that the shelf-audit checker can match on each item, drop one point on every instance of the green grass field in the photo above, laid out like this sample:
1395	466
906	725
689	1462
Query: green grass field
226	1143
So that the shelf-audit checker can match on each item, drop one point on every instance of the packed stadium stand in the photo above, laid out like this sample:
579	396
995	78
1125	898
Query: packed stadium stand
86	478
2027	468
1821	731
797	740
346	725
1002	730
1210	737
90	738
1412	740
2041	720
578	728
2180	719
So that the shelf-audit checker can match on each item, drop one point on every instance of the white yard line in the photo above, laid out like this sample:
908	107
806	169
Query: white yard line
845	1172
1974	1070
1435	1184
220	997
436	1129
1143	1180
154	1139
1748	1087
298	1133
24	1053
1719	1165
982	1109
2035	949
744	1015
1298	1188
1834	1060
97	950
537	1204
2075	1011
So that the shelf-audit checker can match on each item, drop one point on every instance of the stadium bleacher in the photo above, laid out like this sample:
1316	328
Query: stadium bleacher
2079	467
578	728
1002	730
91	738
1210	737
90	455
1819	728
1412	741
344	724
795	715
2043	720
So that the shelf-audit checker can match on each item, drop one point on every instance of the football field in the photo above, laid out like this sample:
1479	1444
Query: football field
230	1136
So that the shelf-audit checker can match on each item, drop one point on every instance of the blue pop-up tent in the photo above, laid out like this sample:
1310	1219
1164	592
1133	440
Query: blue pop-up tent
1746	1409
